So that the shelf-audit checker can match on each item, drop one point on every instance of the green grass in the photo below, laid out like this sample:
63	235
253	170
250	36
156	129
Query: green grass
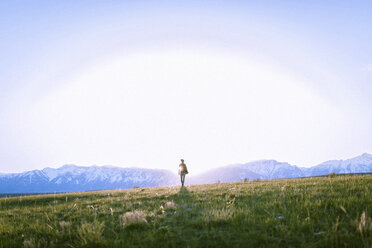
311	212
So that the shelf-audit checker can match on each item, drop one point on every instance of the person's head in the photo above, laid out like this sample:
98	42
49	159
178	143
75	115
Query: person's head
182	160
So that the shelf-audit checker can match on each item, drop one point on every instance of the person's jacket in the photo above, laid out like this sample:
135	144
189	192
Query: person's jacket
182	169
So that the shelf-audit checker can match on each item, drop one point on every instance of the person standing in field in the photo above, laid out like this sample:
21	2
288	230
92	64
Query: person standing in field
182	171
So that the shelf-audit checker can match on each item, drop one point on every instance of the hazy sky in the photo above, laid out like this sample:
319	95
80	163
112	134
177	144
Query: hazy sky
145	83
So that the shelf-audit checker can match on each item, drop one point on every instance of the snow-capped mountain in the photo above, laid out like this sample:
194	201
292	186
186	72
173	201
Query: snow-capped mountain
71	178
360	164
230	173
272	169
261	169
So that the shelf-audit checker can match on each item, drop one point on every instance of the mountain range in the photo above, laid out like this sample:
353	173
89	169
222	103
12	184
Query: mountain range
72	178
272	169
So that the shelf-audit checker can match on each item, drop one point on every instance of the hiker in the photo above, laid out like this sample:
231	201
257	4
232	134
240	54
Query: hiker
182	171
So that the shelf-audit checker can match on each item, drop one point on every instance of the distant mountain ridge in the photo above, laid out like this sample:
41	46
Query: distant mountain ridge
272	169
72	178
359	164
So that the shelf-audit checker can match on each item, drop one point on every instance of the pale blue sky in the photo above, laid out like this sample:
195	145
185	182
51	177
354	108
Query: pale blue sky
144	83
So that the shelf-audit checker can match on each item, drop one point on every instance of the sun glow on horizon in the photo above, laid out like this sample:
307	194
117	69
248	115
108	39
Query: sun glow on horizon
154	107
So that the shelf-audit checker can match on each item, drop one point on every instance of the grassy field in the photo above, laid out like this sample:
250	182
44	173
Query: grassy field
330	211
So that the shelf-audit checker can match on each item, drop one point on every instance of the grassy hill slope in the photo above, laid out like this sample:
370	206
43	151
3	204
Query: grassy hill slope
311	212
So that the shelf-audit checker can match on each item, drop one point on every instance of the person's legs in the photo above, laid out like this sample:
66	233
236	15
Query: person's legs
182	179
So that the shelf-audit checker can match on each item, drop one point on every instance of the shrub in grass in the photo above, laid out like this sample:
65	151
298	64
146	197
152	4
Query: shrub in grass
332	175
170	205
133	218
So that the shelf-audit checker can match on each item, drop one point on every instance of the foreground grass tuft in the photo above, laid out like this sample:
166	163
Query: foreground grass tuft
332	211
90	233
133	218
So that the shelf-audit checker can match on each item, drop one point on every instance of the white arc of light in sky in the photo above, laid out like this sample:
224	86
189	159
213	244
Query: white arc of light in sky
152	108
